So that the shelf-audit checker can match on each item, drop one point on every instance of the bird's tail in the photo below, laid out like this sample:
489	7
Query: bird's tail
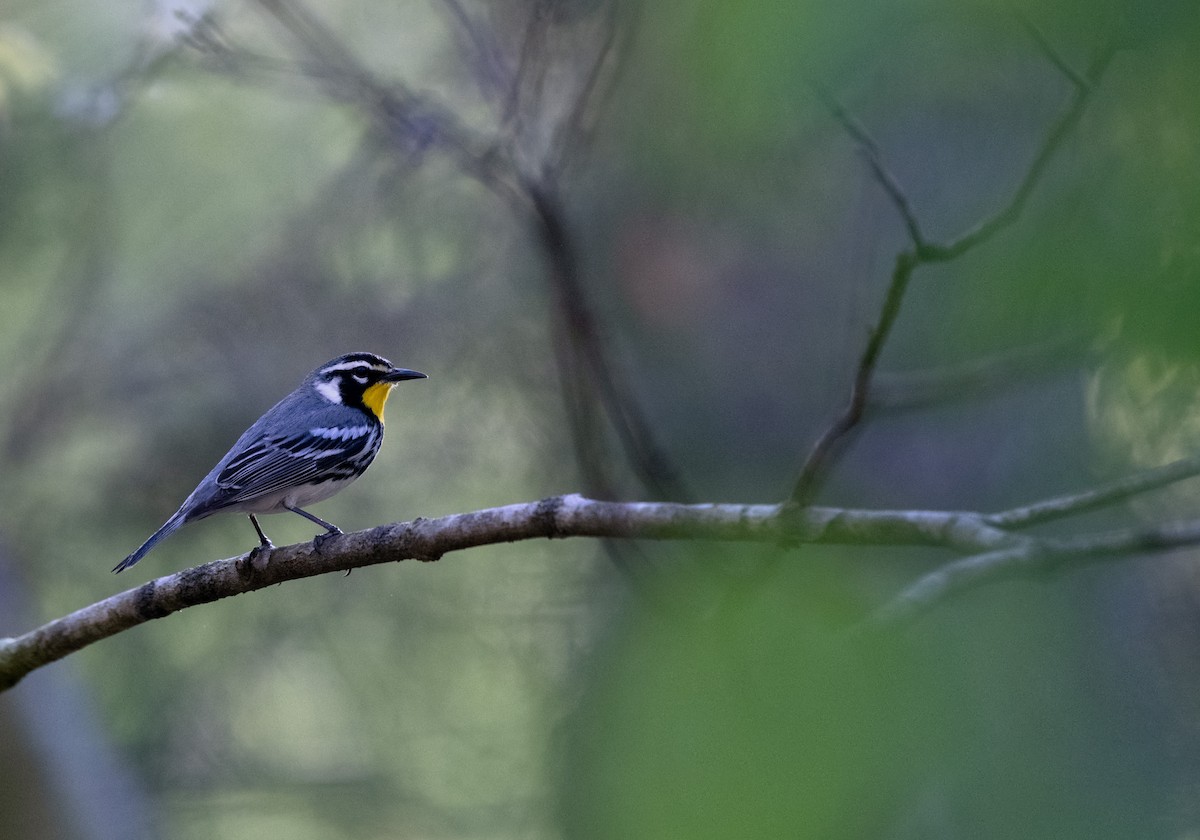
169	527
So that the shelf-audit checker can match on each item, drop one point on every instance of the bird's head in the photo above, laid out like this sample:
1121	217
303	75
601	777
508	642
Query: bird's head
359	380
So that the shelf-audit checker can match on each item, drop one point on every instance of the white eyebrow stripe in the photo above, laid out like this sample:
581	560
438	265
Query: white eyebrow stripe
340	432
354	365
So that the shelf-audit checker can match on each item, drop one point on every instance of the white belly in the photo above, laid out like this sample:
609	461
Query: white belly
297	497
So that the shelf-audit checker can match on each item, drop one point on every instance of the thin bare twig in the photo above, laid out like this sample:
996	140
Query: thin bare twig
1111	493
883	175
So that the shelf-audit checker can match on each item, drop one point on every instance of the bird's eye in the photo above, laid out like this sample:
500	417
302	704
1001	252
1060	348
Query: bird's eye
360	377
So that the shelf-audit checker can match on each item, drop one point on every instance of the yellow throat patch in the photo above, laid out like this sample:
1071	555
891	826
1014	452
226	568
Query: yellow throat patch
376	396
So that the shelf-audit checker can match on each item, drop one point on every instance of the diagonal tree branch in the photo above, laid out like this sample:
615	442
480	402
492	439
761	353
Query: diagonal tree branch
816	466
582	350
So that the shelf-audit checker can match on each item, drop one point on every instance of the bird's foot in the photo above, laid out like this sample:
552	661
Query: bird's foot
320	539
260	556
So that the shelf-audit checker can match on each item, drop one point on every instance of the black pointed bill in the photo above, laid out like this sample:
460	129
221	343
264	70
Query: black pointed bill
401	374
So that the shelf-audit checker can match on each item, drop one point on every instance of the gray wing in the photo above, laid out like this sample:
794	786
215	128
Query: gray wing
275	463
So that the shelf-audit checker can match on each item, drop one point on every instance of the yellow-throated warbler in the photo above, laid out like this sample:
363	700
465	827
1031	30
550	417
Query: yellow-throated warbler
314	442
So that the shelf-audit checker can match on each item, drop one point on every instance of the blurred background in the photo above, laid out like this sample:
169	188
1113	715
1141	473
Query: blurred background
638	257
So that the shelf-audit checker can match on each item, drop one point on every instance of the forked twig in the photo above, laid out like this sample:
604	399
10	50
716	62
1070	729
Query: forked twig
1054	139
1031	559
922	251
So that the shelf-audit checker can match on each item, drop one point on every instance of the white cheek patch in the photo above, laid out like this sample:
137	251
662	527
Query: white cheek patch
330	391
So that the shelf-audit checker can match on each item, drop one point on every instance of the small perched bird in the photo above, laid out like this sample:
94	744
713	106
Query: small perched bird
314	442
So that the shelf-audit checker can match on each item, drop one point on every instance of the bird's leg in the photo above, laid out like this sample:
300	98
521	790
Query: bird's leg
331	530
261	552
262	538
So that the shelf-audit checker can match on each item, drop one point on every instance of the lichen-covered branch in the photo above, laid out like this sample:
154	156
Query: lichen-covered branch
429	539
993	547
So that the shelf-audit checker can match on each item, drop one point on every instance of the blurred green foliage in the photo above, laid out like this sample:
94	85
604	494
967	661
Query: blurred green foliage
181	243
752	719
